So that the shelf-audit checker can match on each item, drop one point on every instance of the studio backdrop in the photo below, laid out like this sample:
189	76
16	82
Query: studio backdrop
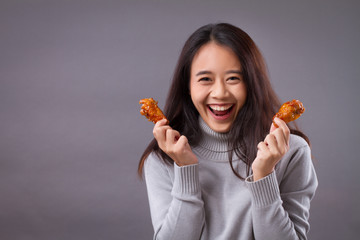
72	73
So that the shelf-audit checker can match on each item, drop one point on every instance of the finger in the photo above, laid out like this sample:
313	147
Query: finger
281	140
172	136
273	127
262	147
270	139
181	144
161	122
159	132
275	124
283	126
272	143
183	141
279	122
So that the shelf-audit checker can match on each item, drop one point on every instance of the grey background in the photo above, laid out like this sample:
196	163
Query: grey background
72	73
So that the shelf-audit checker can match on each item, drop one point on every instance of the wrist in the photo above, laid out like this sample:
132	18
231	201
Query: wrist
257	175
183	164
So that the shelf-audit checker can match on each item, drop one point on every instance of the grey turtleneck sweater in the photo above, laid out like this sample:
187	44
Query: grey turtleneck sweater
207	201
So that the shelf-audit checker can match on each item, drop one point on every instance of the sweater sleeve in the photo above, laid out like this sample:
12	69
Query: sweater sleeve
281	210
176	206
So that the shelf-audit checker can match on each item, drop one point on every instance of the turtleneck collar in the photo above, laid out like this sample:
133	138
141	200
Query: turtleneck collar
211	140
213	145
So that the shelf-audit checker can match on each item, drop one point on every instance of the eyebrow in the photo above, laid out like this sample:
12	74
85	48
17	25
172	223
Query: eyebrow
227	72
234	71
203	72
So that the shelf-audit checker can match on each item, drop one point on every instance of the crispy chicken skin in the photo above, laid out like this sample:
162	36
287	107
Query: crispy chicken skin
290	111
151	110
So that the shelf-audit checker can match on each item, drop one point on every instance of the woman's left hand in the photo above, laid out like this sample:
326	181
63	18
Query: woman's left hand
271	150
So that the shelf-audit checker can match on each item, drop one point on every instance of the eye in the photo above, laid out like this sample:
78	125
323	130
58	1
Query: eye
204	79
234	78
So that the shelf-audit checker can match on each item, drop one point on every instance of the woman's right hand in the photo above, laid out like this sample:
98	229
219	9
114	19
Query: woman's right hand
176	146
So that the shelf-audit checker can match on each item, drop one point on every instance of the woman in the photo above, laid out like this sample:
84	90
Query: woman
221	169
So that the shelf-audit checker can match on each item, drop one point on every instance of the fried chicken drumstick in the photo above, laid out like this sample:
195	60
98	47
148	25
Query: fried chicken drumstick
151	110
290	111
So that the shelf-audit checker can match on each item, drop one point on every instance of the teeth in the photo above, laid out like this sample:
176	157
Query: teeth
220	108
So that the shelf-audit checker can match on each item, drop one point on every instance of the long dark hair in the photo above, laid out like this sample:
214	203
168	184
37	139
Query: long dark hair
254	119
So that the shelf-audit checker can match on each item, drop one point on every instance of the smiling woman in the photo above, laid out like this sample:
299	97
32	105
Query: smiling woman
220	108
216	86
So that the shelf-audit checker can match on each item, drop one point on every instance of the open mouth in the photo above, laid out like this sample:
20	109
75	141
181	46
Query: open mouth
221	111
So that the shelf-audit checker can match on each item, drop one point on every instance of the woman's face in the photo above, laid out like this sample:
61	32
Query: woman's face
217	88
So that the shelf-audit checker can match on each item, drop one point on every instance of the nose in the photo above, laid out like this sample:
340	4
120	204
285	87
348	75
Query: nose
219	89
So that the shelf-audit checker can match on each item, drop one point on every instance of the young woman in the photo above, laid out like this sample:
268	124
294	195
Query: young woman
221	169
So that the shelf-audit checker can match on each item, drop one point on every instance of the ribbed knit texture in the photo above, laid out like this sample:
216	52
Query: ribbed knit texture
186	179
214	141
213	145
264	191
